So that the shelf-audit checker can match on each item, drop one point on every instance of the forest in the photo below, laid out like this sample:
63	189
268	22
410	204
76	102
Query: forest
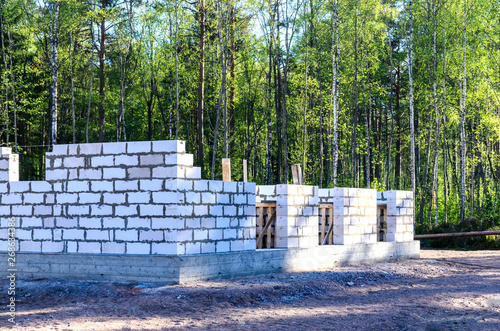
392	95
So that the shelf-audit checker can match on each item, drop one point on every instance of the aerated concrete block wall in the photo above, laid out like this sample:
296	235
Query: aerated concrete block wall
126	198
296	212
9	165
354	214
400	214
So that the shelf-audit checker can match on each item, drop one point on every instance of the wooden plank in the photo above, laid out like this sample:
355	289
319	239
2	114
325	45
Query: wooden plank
457	234
323	224
261	216
226	170
297	174
269	230
330	232
330	236
326	205
265	204
245	171
268	224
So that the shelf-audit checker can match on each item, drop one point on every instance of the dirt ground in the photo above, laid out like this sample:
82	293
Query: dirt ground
444	290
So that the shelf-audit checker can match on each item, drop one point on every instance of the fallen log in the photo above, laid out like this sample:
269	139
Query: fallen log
457	234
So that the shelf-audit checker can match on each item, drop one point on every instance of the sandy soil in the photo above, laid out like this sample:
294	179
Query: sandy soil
444	290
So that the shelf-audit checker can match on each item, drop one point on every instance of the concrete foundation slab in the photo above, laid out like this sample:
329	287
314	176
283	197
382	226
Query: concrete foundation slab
186	268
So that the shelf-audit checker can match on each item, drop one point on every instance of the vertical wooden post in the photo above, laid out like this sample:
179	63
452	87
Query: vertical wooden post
245	171
226	170
297	174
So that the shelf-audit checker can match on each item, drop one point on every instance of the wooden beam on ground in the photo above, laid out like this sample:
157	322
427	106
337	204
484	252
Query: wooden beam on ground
457	234
226	170
245	171
297	174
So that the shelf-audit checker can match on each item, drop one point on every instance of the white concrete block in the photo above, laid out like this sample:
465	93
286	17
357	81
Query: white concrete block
97	235
66	198
86	198
137	222
90	223
208	198
42	234
52	247
114	173
113	248
139	197
126	210
150	184
215	234
169	146
222	246
102	161
19	210
33	198
114	148
201	185
113	223
73	234
223	222
168	172
90	173
113	198
101	186
139	147
89	247
151	210
126	160
193	223
193	173
71	247
79	210
239	199
223	198
170	235
74	162
101	210
56	174
185	235
191	198
151	235
30	246
174	210
73	174
200	210
58	150
139	173
207	248
152	159
5	211
126	235
164	248
78	186
91	149
11	199
200	234
165	197
230	187
215	186
193	248
183	185
230	211
229	233
18	187
28	222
